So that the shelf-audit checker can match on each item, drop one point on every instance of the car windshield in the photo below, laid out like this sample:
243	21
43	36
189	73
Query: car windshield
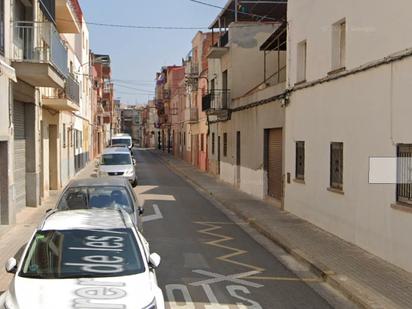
121	141
78	254
96	197
116	159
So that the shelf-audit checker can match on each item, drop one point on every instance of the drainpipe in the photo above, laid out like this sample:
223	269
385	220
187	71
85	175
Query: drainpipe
236	9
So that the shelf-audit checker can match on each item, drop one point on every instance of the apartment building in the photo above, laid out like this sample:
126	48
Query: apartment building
244	103
195	119
349	74
7	78
132	123
150	120
49	44
169	102
104	92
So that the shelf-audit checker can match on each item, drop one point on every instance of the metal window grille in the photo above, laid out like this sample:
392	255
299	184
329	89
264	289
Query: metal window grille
213	143
225	144
336	166
300	160
404	173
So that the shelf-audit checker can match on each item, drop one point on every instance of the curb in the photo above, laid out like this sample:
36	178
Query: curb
347	287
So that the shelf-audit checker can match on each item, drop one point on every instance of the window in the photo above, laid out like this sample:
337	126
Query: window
300	160
404	174
64	135
213	143
301	62
225	144
336	166
338	45
62	254
202	143
2	27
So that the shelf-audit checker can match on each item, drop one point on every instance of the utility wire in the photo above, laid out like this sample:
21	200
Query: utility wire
239	12
133	88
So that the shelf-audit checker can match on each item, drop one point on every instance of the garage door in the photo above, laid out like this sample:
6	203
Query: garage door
275	163
19	155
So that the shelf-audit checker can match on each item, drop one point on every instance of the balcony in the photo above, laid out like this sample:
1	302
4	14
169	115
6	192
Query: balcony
216	103
191	115
66	100
193	70
68	16
39	56
218	99
219	49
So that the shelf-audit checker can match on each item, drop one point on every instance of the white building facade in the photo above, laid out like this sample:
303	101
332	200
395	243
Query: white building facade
349	72
40	51
7	78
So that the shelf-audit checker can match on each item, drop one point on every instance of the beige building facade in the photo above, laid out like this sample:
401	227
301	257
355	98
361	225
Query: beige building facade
350	84
47	101
244	106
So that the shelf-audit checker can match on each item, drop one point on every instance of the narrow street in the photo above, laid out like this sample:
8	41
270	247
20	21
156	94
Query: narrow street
209	261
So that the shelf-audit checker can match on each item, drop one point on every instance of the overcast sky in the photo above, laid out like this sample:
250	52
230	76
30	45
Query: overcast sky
137	54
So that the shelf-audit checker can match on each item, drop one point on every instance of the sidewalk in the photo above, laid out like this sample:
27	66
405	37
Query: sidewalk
366	279
13	238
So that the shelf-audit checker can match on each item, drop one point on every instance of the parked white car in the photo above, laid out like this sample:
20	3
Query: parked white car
92	258
117	162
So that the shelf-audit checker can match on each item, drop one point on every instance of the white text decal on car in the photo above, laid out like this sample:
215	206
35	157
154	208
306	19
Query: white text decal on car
100	263
98	291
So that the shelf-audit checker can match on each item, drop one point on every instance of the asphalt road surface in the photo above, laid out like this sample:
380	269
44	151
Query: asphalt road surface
211	260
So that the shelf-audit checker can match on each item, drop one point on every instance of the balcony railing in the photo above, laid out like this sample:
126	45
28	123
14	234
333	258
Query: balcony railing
223	40
39	42
72	89
191	114
217	99
194	69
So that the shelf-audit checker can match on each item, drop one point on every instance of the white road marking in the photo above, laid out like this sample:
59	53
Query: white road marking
233	289
214	304
171	288
235	278
156	216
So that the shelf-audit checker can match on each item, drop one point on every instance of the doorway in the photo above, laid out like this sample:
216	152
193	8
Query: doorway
53	174
274	162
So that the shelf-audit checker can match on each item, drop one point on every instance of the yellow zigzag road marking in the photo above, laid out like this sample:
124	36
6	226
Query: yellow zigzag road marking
213	226
218	243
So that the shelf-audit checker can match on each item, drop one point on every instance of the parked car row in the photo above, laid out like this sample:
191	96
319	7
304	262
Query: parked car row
88	252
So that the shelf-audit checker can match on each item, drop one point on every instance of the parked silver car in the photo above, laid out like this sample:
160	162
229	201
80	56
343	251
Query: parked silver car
118	162
108	192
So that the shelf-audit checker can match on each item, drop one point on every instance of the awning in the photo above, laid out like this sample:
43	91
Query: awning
8	71
251	11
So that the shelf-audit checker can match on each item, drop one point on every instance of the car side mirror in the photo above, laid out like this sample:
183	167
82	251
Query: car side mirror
140	211
154	260
11	265
134	161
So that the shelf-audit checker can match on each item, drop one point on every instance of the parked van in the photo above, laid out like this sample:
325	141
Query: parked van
122	139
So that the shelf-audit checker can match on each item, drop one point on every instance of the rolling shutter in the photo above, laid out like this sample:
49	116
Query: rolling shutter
275	163
19	155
